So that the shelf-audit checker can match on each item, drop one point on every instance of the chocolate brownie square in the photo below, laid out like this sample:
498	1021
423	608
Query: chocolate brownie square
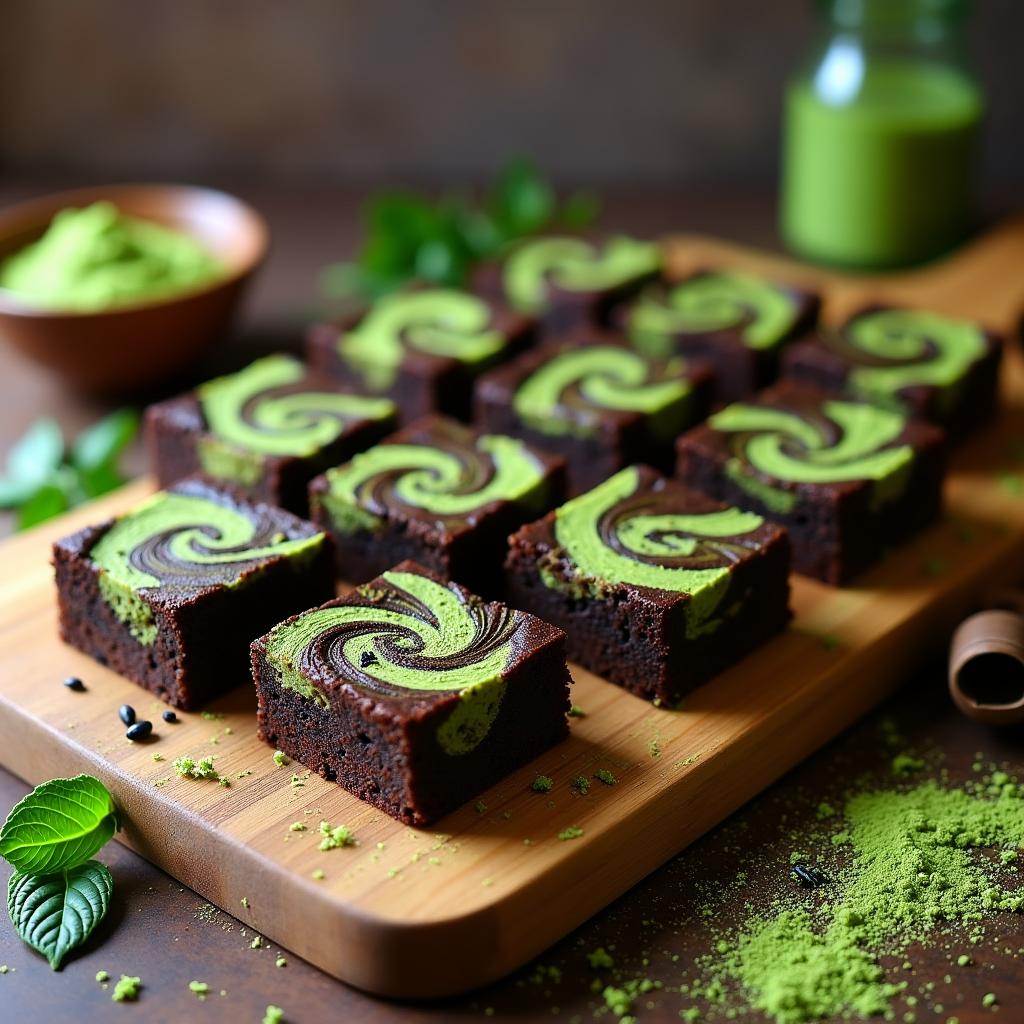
566	281
597	402
736	322
411	692
657	587
266	431
940	368
845	477
172	593
439	493
423	348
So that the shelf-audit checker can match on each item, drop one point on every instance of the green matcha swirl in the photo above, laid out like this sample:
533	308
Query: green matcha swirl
448	480
763	313
436	321
415	636
844	441
893	349
568	393
261	410
620	533
177	539
574	265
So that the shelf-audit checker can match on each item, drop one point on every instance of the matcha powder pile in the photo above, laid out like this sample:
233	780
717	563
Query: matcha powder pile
915	865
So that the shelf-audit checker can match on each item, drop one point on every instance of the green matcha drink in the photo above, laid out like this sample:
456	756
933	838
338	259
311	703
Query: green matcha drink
96	259
880	135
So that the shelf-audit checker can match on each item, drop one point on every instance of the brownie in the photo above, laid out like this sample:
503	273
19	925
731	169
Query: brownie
439	493
568	281
657	587
422	347
412	693
266	430
172	593
736	322
937	367
845	477
595	401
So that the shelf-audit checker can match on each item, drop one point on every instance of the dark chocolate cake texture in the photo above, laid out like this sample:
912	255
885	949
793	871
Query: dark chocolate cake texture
439	493
411	692
171	593
266	430
656	586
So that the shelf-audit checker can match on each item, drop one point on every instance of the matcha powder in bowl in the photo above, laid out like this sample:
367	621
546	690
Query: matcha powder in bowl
95	258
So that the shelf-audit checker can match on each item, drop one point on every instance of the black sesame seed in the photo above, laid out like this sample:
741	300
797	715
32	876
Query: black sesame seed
808	877
74	683
367	658
139	731
126	713
170	716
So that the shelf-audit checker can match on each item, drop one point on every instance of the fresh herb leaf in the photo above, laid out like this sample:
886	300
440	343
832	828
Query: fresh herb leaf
45	503
59	825
411	237
57	912
98	446
38	453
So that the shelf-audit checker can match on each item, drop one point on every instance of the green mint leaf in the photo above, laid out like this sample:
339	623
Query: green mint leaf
14	492
59	824
37	453
101	480
45	503
57	912
100	444
580	210
524	202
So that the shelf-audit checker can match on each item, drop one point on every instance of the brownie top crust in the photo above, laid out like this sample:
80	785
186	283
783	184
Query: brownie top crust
536	268
762	313
408	636
183	541
888	349
582	387
797	434
437	471
424	326
275	407
640	532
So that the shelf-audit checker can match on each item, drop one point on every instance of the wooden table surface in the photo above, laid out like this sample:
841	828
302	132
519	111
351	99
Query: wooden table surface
168	936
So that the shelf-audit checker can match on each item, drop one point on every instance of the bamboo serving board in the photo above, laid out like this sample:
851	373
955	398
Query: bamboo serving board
415	913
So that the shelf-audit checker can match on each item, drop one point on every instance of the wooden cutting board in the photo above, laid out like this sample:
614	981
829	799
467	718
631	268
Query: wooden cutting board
411	913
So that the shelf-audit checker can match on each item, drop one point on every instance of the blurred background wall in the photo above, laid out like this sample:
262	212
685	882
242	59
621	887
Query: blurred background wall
667	92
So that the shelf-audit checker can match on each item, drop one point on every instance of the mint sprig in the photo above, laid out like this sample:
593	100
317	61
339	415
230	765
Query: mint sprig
412	237
58	894
41	483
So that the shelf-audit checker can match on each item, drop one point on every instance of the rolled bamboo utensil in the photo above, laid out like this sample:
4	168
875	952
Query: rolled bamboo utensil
986	663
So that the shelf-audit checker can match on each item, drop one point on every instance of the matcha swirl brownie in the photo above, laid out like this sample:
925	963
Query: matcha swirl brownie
411	692
657	587
423	348
598	403
566	281
266	431
938	367
737	322
846	477
438	493
172	593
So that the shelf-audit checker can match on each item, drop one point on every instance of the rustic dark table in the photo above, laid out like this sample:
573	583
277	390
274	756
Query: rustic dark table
169	936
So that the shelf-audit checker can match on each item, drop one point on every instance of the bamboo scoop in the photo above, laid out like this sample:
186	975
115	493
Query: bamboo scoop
986	663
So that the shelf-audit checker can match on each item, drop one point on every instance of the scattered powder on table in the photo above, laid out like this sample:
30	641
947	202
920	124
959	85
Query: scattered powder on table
912	869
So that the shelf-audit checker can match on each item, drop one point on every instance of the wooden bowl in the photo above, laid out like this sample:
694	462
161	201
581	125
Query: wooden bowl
115	351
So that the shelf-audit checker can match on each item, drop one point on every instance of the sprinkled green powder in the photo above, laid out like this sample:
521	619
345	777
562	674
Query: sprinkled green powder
572	832
317	874
127	989
336	837
581	785
906	764
575	711
913	868
297	826
605	776
542	784
273	1015
600	959
102	977
200	989
280	759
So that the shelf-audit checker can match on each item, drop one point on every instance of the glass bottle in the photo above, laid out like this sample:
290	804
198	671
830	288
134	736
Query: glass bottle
880	132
